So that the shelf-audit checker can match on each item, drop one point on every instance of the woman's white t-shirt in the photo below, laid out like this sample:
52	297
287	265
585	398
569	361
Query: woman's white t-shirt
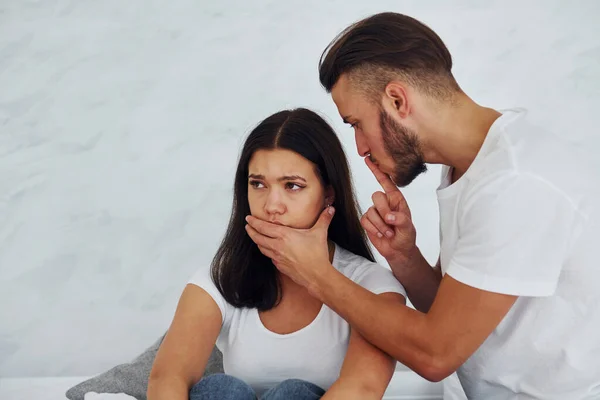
314	353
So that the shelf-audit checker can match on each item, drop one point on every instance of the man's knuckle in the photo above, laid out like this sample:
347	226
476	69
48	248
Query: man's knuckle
365	222
278	247
378	197
283	237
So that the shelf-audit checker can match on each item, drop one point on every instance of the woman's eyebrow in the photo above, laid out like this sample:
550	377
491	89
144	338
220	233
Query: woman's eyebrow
291	178
283	178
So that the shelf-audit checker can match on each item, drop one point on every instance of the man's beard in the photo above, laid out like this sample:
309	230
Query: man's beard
403	146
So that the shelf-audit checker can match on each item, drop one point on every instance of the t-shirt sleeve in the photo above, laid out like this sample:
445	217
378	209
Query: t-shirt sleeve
203	280
514	236
378	279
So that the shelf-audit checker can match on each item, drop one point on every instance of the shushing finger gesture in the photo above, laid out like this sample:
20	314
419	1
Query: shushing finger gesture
388	222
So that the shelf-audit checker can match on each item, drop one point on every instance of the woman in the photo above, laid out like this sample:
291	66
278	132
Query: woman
278	342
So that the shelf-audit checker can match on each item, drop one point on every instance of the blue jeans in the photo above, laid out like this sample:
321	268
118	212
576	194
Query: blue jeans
227	387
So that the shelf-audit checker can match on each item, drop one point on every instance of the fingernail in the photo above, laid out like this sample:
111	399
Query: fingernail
389	233
247	218
331	211
391	217
379	235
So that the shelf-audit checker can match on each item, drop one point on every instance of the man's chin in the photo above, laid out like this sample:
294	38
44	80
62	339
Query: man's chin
394	180
402	181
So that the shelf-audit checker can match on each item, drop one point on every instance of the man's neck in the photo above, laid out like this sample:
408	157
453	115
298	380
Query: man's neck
458	131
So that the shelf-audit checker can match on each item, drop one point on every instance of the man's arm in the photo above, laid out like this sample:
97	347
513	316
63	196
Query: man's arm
420	280
434	344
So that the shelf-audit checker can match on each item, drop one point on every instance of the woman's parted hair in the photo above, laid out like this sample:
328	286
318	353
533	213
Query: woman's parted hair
242	274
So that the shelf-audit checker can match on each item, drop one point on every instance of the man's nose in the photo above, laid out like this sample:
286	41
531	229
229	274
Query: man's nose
361	144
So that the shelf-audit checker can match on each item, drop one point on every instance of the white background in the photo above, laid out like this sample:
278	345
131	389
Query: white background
121	122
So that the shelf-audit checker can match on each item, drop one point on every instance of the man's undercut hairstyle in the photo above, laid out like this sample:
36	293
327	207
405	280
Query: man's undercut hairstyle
386	47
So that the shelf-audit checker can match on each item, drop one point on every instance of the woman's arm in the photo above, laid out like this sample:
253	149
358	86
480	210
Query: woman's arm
181	359
366	371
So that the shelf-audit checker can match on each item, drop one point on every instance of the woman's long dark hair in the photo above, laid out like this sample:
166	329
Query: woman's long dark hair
243	275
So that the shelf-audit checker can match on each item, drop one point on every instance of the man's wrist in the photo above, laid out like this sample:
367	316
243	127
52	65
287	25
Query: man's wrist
321	285
408	265
407	261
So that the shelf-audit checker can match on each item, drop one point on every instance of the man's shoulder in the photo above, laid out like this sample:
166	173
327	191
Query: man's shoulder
525	150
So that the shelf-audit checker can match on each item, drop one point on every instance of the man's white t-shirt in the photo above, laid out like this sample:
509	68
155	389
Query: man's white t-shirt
315	353
524	220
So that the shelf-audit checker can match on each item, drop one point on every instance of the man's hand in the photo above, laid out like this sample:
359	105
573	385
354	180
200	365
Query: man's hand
301	254
388	222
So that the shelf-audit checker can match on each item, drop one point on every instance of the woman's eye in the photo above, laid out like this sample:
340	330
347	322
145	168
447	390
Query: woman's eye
292	186
255	184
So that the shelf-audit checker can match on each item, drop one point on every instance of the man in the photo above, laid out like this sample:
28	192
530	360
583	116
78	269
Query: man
513	303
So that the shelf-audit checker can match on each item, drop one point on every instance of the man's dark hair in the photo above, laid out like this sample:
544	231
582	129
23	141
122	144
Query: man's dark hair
388	46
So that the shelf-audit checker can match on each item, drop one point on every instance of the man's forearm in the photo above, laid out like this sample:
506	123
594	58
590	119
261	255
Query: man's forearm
398	330
420	280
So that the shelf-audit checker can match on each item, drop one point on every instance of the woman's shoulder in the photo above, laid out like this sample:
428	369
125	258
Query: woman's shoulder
351	264
367	273
202	278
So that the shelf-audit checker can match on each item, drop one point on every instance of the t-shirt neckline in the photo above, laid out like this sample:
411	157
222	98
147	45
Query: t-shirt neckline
335	263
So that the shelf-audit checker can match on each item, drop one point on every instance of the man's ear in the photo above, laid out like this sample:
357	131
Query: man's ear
397	94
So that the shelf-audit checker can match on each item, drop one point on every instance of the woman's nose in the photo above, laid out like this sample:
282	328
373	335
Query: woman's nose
274	203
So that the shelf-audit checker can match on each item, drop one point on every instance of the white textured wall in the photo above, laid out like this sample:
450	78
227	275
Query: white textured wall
121	121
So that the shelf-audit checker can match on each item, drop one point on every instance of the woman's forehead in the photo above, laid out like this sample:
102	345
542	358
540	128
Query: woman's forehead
280	162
